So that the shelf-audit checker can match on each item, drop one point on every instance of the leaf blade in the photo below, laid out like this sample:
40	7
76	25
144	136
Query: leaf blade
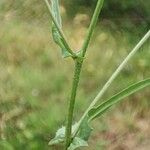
55	33
56	12
59	37
99	110
60	135
85	130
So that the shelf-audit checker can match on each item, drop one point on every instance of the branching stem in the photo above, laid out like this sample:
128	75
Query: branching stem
112	78
78	67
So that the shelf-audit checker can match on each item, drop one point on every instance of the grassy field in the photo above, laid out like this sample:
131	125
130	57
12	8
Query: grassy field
35	84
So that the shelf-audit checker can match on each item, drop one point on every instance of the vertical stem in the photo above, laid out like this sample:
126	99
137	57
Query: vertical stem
78	66
77	71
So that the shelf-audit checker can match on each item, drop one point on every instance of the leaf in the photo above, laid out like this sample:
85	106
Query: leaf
59	41
56	11
85	130
80	140
56	36
99	110
60	135
76	143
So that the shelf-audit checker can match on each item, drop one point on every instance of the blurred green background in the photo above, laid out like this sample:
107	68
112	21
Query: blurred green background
35	80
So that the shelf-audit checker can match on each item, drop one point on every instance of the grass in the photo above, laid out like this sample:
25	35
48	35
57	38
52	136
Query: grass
35	85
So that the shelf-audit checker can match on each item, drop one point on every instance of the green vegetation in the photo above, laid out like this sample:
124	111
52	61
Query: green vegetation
34	84
77	135
135	13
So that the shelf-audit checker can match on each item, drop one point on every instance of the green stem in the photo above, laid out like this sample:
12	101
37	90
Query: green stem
92	26
113	77
78	67
77	71
59	30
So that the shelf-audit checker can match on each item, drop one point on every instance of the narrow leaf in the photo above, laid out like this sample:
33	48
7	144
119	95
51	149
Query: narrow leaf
99	110
56	11
59	41
56	36
85	130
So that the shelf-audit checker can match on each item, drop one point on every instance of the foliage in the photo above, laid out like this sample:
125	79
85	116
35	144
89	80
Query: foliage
71	138
33	81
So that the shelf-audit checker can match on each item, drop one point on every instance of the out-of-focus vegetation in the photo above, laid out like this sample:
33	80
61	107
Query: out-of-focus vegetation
121	13
35	81
112	8
116	14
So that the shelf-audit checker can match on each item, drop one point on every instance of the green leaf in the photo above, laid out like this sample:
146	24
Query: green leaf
99	110
85	130
59	41
80	140
60	135
56	36
56	11
76	143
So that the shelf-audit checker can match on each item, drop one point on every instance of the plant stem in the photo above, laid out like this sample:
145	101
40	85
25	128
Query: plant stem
77	71
112	78
59	29
78	67
92	26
